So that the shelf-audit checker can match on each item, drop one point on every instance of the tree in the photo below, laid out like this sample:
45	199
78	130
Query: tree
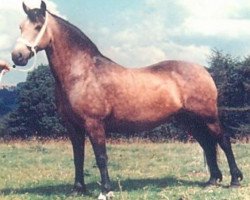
36	111
7	100
232	81
224	69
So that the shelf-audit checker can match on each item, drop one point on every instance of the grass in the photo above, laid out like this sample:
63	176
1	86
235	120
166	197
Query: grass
139	171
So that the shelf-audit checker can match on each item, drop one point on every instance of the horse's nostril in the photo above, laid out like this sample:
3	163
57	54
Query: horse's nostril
19	55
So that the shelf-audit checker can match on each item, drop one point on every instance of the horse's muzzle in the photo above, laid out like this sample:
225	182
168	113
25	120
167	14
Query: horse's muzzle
20	59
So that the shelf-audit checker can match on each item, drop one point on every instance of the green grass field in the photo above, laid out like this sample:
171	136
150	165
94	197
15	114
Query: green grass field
139	170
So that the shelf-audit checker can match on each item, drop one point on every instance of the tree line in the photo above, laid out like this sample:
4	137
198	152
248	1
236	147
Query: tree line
34	112
7	99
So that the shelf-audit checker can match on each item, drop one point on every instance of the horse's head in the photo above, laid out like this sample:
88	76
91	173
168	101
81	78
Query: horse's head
34	35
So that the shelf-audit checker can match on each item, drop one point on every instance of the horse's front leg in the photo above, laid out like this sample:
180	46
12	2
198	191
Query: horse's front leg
95	129
77	137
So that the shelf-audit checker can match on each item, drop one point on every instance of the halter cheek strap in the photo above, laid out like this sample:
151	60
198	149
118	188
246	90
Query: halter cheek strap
38	37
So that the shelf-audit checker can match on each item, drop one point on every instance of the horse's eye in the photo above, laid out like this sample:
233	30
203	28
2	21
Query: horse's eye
38	28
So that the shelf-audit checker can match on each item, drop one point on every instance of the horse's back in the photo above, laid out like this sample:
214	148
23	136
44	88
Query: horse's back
177	66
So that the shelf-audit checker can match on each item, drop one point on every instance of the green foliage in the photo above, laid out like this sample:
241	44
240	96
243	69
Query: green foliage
7	100
228	80
36	111
233	81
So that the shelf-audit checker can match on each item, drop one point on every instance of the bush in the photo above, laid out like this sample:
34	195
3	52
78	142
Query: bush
232	80
36	111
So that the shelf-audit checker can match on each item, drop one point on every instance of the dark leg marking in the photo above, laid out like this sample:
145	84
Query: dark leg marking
77	137
98	140
209	145
236	174
202	134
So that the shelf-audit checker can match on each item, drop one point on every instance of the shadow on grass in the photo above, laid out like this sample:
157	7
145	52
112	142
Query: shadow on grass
48	190
44	190
138	184
127	185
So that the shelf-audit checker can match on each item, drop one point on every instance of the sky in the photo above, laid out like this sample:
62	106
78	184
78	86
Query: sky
137	33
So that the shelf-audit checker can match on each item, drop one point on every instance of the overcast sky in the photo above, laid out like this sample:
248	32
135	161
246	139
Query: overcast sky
136	33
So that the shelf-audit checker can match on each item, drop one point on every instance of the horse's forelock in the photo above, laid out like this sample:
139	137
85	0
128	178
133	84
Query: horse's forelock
36	15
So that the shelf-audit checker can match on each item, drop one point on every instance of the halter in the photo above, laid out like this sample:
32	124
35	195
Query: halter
31	46
34	45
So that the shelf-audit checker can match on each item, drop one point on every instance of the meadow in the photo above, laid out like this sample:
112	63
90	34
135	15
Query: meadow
140	170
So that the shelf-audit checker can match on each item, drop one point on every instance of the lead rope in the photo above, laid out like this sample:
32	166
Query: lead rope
2	73
32	47
20	70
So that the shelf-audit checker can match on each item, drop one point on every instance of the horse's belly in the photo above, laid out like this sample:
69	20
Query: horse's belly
126	125
141	116
148	105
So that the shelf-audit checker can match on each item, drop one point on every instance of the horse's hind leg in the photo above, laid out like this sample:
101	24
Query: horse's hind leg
209	144
201	133
225	144
236	174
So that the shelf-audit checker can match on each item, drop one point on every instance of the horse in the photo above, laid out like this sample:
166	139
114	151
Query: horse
96	95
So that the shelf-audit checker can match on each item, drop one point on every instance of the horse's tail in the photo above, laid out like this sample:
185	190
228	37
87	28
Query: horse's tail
228	127
205	160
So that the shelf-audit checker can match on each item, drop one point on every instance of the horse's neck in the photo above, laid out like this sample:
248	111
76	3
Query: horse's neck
67	60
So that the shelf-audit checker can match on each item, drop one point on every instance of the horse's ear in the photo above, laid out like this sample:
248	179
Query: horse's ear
43	7
26	9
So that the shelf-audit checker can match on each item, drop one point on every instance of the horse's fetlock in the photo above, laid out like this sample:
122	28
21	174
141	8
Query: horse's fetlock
219	176
106	187
236	174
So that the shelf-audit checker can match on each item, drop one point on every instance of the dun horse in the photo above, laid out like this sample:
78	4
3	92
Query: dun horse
96	95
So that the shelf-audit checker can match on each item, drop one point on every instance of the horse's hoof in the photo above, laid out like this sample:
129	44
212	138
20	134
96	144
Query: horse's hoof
209	184
108	196
212	182
235	184
78	189
74	193
236	178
